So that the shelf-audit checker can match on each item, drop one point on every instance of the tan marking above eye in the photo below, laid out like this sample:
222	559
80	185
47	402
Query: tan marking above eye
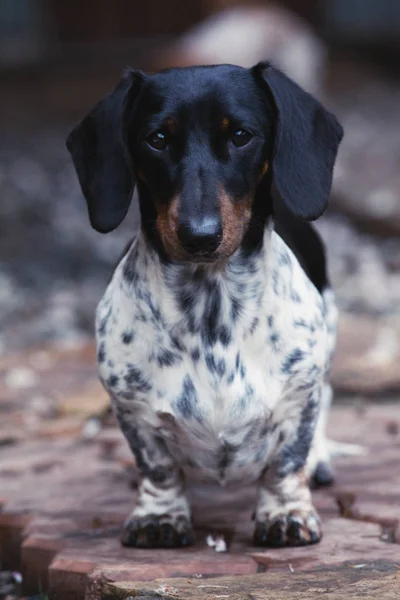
224	123
172	124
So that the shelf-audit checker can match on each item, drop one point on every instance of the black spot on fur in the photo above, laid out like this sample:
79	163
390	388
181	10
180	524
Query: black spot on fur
186	404
231	378
293	456
210	362
274	338
295	297
155	311
236	309
212	315
237	361
102	329
291	360
112	381
221	367
129	271
216	367
101	353
284	258
270	321
254	324
243	402
275	280
307	385
157	474
304	324
167	358
127	337
224	336
187	302
195	354
136	379
245	399
177	344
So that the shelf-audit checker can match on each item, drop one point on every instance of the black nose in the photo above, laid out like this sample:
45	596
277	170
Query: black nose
200	236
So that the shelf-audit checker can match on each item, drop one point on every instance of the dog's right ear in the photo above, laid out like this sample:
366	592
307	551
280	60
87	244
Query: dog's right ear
100	154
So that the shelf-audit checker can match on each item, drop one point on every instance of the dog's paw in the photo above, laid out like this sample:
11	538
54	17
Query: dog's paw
157	531
295	528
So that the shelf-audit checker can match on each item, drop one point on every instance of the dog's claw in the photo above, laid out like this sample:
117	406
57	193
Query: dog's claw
157	532
293	529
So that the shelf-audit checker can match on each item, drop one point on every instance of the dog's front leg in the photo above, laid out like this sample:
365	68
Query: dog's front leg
285	515
161	517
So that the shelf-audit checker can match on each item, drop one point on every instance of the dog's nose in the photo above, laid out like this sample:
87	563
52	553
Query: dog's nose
201	236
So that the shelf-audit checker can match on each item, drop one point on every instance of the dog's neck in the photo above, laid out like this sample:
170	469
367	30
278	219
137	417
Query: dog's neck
207	296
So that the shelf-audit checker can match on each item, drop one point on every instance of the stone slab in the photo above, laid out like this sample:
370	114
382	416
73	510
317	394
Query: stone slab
347	582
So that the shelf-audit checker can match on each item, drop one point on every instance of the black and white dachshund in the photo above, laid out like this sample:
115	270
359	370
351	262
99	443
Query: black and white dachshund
216	332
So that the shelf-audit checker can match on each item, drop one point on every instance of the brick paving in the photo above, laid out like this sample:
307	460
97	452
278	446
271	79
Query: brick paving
64	494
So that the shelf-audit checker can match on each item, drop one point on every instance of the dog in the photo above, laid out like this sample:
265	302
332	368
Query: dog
216	332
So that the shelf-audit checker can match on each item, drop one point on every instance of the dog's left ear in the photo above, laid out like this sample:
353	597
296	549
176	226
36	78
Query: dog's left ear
99	150
307	138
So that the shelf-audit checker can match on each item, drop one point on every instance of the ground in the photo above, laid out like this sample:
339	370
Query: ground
67	481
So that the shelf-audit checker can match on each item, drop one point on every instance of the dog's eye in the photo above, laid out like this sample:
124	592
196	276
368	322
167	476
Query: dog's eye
157	140
241	137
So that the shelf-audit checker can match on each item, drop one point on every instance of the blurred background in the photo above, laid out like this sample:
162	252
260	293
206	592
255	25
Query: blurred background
58	58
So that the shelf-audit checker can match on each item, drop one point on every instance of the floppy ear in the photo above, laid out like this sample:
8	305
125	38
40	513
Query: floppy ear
100	155
307	138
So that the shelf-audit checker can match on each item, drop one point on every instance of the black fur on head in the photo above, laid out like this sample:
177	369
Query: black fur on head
213	150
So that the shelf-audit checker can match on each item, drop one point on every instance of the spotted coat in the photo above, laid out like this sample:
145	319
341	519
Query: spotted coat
215	372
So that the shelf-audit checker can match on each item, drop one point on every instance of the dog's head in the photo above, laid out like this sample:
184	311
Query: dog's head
213	150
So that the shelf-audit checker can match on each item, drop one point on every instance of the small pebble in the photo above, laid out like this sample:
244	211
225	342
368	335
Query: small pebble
91	428
21	378
217	542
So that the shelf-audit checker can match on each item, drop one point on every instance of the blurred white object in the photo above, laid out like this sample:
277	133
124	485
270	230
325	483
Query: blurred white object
217	542
244	35
21	378
91	428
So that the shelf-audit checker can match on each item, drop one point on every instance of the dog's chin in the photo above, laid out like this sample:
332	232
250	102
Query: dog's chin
195	259
203	259
176	253
213	258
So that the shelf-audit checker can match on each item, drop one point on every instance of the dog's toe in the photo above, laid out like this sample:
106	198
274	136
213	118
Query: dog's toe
296	528
157	531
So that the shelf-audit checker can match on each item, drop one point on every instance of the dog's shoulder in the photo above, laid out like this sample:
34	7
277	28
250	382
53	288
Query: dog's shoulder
306	244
